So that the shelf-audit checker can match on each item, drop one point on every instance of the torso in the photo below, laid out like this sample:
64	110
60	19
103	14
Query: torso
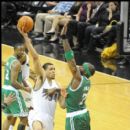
76	97
41	102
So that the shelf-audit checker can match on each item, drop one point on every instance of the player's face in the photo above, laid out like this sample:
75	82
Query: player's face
23	59
82	71
50	71
20	50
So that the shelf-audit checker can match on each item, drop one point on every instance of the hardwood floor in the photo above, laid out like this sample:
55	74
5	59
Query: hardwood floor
108	100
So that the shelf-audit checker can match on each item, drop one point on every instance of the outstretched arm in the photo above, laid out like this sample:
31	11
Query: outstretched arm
70	56
38	67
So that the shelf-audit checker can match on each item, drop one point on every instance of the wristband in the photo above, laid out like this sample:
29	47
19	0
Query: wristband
69	55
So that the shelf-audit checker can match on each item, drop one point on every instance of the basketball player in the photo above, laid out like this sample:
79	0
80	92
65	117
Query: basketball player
77	117
25	76
43	97
12	84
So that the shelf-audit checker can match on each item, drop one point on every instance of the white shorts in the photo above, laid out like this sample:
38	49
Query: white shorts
45	119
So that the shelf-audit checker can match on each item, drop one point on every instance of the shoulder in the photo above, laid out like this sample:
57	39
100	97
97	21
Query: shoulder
16	64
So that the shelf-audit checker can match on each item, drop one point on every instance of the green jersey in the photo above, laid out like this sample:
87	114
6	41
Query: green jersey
7	74
76	98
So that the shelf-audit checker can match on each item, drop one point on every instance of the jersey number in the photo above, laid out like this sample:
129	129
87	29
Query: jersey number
83	99
7	75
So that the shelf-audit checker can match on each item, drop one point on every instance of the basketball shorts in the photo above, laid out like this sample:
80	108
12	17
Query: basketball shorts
18	107
78	122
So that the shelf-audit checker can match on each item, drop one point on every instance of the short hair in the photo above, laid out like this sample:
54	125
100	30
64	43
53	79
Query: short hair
16	46
45	66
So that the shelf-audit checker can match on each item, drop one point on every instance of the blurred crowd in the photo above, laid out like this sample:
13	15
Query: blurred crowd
90	24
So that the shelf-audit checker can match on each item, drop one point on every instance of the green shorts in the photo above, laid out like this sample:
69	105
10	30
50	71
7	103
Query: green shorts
18	107
78	122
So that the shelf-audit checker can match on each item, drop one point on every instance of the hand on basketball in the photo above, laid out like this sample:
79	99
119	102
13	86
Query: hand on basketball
21	31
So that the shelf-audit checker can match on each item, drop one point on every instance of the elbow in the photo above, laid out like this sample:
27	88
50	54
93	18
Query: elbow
36	57
14	83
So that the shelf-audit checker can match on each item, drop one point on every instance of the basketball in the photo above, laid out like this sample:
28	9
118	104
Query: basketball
26	23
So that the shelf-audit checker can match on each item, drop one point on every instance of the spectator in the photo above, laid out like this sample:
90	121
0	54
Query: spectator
83	15
85	28
112	16
60	8
64	19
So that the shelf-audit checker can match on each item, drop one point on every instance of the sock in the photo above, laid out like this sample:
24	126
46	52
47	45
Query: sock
21	127
11	127
27	128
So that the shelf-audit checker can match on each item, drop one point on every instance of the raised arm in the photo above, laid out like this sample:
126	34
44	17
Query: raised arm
38	67
69	55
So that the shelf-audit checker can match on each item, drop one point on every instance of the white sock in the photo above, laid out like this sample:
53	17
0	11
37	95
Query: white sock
27	128
11	127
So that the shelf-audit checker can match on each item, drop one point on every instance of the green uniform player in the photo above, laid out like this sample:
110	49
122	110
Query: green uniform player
77	117
18	107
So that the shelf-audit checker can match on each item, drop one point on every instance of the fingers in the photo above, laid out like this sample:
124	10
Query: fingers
12	95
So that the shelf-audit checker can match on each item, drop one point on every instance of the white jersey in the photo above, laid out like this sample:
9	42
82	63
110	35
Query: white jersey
25	76
25	68
43	103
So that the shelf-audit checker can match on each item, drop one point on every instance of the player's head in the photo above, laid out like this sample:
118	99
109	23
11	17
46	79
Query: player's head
50	70
19	52
87	69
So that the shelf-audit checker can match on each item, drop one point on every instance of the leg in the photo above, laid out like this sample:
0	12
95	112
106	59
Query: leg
48	23
23	123
80	32
93	42
87	36
13	120
55	23
71	30
7	123
40	18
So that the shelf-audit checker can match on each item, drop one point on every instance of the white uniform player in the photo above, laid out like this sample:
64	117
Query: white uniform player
43	106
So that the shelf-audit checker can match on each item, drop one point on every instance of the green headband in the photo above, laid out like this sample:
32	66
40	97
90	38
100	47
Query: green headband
86	69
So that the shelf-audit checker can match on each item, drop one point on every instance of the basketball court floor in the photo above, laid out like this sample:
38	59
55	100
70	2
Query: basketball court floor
108	100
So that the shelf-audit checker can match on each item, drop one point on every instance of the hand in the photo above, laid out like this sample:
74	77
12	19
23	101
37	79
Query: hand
28	89
50	92
22	32
63	92
9	99
109	10
51	11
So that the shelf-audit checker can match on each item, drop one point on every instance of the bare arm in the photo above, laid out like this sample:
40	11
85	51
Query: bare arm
34	54
71	63
15	68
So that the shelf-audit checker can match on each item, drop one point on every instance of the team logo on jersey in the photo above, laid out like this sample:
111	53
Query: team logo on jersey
50	94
